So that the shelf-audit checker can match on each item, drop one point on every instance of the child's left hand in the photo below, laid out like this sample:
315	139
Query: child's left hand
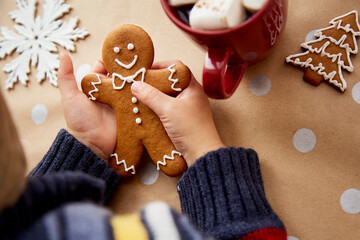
91	123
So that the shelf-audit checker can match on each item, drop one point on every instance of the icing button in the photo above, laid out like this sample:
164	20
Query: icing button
134	100
138	120
135	110
130	46
116	49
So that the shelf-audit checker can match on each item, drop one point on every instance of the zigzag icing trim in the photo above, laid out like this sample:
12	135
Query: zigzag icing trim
336	22
319	69
339	42
123	162
172	71
332	56
95	88
166	157
347	27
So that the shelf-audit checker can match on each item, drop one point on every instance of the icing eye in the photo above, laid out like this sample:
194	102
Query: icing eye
116	49
130	46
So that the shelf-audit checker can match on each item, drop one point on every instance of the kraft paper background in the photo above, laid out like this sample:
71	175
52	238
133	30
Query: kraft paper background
303	188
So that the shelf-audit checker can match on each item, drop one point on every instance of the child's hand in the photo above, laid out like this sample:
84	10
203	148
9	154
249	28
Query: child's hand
91	123
187	118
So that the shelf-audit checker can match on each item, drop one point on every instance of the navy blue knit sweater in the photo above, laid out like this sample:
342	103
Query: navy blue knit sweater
222	195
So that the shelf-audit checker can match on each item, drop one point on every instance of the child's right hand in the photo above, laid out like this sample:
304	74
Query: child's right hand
187	118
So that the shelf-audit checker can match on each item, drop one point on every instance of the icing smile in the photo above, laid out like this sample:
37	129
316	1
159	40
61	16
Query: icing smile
127	66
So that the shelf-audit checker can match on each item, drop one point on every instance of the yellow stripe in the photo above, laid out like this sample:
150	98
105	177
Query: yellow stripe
128	227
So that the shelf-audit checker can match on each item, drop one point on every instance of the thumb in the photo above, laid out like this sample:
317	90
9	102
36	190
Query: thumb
150	96
66	78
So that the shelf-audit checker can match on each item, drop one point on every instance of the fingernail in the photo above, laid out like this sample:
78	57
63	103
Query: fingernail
135	87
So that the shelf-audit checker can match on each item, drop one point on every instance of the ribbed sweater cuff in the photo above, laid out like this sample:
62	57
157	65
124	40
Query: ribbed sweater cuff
223	194
68	154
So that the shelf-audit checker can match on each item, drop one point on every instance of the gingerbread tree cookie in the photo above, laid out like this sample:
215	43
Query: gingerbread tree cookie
330	53
128	55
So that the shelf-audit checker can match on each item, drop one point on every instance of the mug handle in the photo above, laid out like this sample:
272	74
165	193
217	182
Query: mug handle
221	78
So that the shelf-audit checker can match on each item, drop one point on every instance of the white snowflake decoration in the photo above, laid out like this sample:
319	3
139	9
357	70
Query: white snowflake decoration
36	39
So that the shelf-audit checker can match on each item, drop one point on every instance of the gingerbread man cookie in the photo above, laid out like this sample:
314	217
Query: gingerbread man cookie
128	54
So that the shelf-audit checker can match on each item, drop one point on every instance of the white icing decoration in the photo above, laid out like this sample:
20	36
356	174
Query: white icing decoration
36	39
322	51
336	25
127	66
172	71
134	100
339	42
128	79
123	162
116	49
130	46
347	27
138	121
135	110
165	157
319	69
95	88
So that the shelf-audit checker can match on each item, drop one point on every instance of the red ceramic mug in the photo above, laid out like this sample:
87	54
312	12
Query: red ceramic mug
230	51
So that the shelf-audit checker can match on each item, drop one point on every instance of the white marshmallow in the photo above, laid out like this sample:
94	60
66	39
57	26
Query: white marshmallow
178	3
253	5
216	14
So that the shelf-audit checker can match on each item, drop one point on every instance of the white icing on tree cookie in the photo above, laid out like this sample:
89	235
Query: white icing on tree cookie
335	43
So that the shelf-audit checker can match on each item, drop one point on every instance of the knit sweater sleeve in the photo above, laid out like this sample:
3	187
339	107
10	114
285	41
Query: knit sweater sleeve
223	195
68	154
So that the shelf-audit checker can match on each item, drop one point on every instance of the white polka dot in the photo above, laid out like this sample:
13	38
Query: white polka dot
134	100
250	56
292	238
135	110
260	85
310	36
304	140
82	71
356	92
350	201
148	173
39	113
